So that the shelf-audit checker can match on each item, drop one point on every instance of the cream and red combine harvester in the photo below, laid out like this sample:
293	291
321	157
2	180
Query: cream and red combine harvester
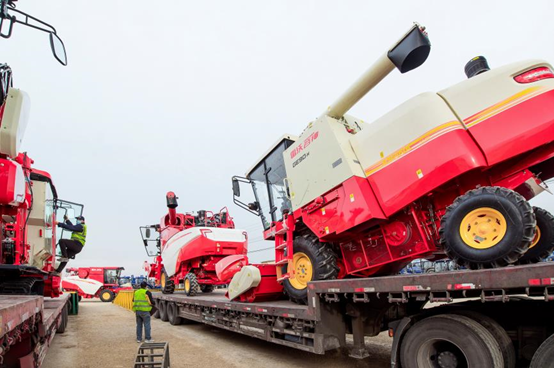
189	246
443	174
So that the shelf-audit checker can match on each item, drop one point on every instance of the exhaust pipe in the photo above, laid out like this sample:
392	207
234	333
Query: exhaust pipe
407	54
172	205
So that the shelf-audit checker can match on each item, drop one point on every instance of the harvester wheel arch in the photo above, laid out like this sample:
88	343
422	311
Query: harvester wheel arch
449	340
168	286
173	314
191	285
313	261
543	242
487	227
162	307
106	295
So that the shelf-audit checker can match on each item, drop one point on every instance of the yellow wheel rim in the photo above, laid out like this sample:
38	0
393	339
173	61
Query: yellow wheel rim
163	280
187	285
536	238
303	271
106	295
483	228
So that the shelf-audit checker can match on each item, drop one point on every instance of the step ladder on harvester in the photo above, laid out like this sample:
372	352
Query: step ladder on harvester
284	249
152	355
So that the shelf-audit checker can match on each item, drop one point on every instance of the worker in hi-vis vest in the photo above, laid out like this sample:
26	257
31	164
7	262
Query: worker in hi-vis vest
142	305
73	246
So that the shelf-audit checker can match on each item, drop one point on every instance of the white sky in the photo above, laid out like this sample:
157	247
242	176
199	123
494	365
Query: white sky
181	95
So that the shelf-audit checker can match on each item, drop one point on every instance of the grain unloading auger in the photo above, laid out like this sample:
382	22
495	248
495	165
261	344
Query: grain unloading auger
443	174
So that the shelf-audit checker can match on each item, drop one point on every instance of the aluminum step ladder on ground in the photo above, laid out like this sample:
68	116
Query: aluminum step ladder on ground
152	355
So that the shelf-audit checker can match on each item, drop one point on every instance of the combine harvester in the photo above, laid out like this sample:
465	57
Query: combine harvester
189	246
35	310
94	282
350	203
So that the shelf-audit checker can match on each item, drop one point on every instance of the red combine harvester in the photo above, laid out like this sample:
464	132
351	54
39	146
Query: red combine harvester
94	282
443	174
188	247
29	205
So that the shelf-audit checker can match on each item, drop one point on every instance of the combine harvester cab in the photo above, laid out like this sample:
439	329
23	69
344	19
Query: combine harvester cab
445	174
188	247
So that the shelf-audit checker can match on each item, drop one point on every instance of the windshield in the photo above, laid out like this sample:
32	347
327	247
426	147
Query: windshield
111	276
268	182
69	209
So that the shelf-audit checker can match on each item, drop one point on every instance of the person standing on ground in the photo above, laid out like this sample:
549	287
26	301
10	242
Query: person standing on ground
142	305
73	246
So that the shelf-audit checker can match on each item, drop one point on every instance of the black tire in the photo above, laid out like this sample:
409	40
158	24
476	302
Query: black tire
449	337
324	266
157	312
520	228
545	245
498	332
544	356
65	320
207	288
191	284
162	307
173	314
106	295
168	286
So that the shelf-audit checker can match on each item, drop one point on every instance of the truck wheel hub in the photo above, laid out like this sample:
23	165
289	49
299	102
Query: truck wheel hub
447	360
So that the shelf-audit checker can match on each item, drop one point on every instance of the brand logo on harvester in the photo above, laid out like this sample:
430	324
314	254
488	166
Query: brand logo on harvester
302	146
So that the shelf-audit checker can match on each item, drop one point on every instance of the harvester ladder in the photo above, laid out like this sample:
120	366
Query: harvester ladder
284	248
152	355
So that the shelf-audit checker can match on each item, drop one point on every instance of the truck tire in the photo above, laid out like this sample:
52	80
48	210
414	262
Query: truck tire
544	356
312	261
106	295
191	284
173	314
207	288
168	286
449	340
162	307
157	312
505	343
487	227
65	319
543	242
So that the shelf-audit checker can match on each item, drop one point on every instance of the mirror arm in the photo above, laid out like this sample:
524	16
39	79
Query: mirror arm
26	22
245	206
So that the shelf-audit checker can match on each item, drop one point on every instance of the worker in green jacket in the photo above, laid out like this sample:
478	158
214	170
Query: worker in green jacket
142	305
70	247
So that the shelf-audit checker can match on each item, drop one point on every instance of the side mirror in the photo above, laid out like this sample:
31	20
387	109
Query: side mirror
58	49
236	188
147	232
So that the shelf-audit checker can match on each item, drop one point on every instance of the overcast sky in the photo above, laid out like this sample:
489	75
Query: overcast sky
181	95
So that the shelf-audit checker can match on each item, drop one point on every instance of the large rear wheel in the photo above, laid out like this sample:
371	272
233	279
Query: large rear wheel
449	341
312	261
543	242
487	227
107	295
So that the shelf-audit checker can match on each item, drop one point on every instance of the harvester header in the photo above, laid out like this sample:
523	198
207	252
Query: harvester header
408	53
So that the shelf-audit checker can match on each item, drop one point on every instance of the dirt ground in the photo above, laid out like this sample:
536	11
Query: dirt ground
103	335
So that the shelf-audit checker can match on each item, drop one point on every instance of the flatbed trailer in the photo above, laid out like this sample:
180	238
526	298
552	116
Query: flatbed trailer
515	304
28	324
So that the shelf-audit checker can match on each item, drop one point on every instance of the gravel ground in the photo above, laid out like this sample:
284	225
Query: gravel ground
103	335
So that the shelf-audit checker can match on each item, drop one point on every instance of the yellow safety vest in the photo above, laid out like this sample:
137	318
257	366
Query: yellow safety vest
141	301
81	237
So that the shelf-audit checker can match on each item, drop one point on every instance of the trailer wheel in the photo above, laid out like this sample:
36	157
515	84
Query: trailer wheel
173	314
487	227
106	295
207	288
157	312
449	340
168	286
65	320
501	336
163	310
543	242
544	356
312	261
191	284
